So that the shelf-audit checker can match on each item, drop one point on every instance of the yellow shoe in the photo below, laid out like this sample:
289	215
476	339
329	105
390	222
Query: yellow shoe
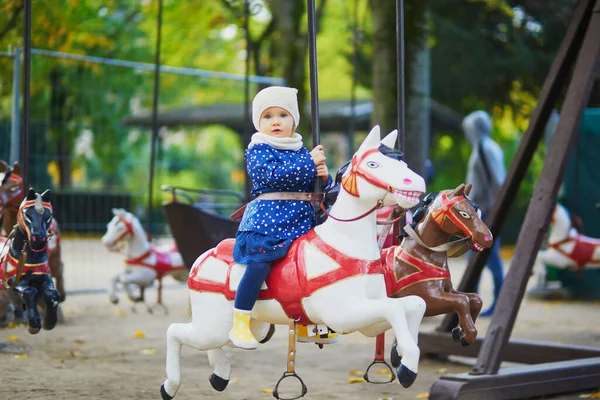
240	334
320	334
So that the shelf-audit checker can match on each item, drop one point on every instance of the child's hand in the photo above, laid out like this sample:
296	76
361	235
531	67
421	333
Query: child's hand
322	171
318	156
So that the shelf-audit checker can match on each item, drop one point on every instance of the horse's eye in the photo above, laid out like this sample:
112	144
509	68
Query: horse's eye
372	164
464	214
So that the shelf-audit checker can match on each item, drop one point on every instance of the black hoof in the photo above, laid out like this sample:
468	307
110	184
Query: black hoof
456	334
269	334
218	383
405	376
163	393
395	358
463	341
34	326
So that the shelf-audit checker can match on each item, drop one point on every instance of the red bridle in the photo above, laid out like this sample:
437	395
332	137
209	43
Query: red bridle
445	211
14	195
128	230
349	182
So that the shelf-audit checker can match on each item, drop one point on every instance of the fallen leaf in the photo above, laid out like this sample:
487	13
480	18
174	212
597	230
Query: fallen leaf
148	352
268	391
79	341
423	395
13	338
21	356
441	371
384	371
120	313
139	335
233	380
356	380
356	373
12	325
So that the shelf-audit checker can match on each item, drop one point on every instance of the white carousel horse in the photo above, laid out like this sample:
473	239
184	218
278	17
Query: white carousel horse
338	280
567	248
144	263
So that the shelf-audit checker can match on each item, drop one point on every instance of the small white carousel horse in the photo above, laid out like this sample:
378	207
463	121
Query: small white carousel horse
332	275
567	248
24	267
144	263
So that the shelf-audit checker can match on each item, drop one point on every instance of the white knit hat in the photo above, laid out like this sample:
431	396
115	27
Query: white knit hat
275	96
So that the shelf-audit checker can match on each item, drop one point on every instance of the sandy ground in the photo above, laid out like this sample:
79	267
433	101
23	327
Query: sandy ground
95	354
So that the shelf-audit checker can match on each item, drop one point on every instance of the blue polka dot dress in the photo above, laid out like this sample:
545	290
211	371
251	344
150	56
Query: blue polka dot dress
268	227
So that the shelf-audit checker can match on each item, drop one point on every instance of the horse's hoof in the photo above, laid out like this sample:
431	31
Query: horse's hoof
163	393
395	358
114	299
464	342
218	383
456	334
269	334
34	327
405	376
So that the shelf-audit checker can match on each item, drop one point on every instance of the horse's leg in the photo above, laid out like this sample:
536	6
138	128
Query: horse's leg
444	303
476	304
159	301
51	300
30	294
212	317
348	314
113	289
57	267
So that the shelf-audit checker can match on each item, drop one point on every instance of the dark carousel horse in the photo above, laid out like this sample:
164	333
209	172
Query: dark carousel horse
24	269
419	265
11	195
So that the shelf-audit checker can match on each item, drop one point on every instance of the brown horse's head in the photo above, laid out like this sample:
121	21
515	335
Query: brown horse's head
11	186
457	215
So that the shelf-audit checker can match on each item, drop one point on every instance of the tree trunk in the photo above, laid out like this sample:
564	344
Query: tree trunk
385	97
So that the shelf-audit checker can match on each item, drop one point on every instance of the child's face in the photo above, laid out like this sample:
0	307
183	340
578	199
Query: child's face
277	122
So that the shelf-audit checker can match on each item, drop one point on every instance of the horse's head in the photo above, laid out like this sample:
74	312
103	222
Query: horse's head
11	186
383	175
456	214
34	218
560	224
119	228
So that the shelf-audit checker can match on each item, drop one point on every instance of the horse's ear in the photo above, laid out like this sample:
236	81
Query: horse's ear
390	139
3	166
372	140
16	168
119	212
31	194
468	189
458	191
46	196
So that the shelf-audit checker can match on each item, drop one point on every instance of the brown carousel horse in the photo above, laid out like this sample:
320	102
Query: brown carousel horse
11	195
24	269
419	265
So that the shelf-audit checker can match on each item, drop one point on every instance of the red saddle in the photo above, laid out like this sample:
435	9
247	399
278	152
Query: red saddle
287	282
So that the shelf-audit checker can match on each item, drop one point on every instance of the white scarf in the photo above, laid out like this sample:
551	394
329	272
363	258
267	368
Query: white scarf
288	143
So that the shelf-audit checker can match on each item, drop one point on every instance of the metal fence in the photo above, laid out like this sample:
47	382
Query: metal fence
80	148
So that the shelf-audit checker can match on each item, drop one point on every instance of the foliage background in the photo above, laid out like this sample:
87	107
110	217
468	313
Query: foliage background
488	54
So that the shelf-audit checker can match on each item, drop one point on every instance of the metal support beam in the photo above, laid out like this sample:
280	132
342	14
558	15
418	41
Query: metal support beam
15	121
521	382
548	378
519	351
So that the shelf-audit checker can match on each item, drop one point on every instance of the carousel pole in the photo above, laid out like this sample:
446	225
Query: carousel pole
154	142
314	83
247	130
400	72
26	94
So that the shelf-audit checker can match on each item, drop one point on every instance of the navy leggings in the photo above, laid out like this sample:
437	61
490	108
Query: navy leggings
247	291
